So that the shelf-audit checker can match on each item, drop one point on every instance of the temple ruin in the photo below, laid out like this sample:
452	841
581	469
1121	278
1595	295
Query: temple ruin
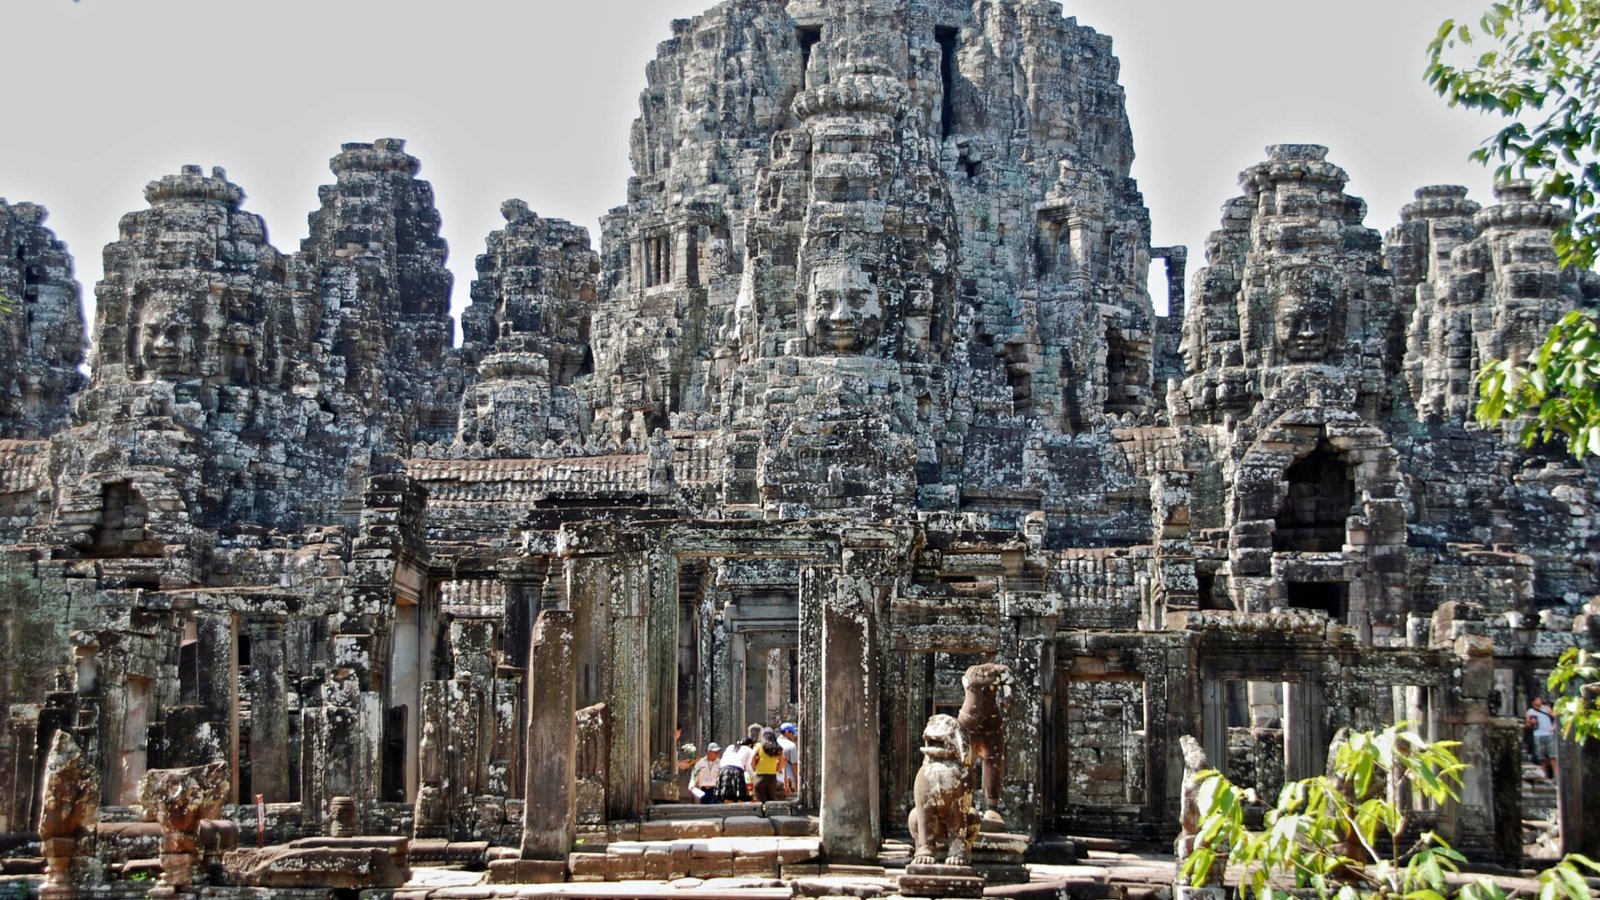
864	387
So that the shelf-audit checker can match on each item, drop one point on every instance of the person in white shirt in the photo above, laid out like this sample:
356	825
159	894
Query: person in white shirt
703	777
789	777
731	784
1543	724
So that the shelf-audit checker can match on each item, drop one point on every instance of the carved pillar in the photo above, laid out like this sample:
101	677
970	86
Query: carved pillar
269	715
1030	656
609	583
1579	782
550	809
1463	715
1214	733
852	826
816	587
432	814
662	584
628	766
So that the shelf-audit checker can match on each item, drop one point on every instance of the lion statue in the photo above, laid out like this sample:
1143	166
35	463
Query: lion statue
983	717
943	816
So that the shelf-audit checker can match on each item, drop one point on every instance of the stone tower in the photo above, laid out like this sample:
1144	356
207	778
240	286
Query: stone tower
42	338
527	337
376	264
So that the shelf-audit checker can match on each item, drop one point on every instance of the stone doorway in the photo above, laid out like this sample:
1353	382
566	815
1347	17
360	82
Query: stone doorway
1319	500
737	660
1264	733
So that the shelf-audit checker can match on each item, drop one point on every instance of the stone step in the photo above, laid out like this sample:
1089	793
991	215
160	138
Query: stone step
764	857
683	889
665	811
730	826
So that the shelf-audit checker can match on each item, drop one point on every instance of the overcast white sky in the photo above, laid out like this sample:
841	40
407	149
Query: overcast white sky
534	98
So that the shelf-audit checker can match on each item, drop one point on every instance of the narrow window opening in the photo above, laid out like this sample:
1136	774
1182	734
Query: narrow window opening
1127	373
657	261
946	37
189	673
809	37
1208	597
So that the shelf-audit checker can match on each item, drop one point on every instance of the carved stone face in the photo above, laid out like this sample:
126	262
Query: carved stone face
1305	316
843	315
166	344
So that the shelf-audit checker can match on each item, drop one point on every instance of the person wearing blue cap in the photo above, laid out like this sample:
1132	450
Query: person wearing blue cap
789	776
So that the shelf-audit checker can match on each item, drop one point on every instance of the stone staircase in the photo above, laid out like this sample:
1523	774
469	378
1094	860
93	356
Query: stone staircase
681	840
1540	834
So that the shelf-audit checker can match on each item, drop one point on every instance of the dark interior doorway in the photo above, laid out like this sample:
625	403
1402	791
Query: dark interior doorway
1319	500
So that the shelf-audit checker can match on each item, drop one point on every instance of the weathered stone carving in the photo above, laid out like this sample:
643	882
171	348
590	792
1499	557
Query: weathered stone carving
179	800
348	863
1189	816
42	339
987	699
70	808
943	823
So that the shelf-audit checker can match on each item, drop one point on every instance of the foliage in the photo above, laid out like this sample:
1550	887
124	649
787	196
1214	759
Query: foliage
1543	73
1557	388
1342	835
1576	686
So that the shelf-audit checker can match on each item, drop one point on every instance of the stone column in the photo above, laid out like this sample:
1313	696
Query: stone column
852	829
269	714
1305	747
1215	721
1469	824
1506	782
1030	656
1578	781
628	699
663	662
432	814
550	813
816	589
720	675
738	671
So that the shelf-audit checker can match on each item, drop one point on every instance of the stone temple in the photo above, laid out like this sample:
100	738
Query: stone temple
864	387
